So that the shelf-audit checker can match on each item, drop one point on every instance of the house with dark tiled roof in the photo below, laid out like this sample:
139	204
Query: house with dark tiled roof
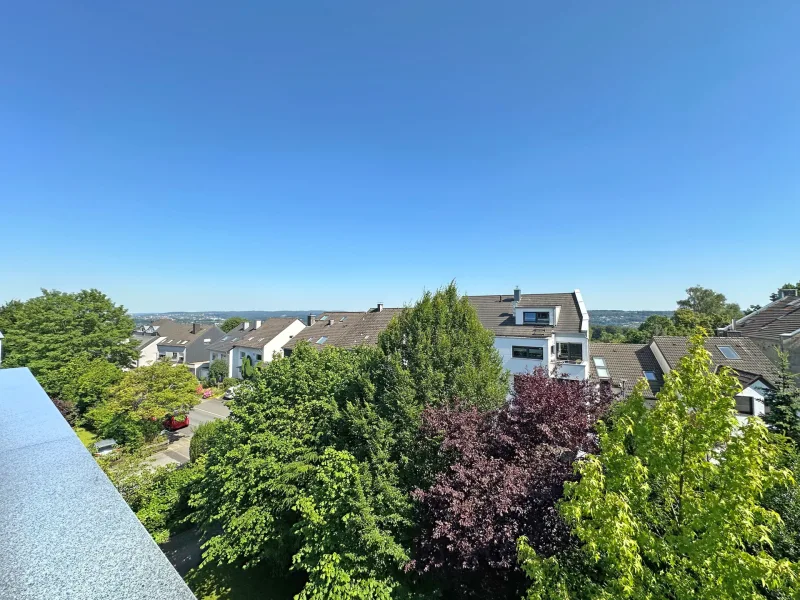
550	331
343	329
774	327
259	341
183	343
623	365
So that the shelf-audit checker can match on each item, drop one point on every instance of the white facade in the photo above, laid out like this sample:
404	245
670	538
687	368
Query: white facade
273	348
148	355
560	354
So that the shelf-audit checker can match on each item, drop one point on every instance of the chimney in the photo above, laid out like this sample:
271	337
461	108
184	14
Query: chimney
380	306
330	321
517	294
245	325
258	324
310	320
194	328
785	293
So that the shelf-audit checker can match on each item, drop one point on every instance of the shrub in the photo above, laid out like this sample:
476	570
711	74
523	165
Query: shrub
203	438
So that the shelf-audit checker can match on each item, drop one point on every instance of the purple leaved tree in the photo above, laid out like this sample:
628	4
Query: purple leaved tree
507	471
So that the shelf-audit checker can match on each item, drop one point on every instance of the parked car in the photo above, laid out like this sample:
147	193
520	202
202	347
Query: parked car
173	423
230	393
104	447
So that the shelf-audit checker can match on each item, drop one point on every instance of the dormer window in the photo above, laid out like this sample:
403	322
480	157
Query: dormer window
536	318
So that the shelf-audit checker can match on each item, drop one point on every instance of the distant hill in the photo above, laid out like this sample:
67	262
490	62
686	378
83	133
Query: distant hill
624	318
218	316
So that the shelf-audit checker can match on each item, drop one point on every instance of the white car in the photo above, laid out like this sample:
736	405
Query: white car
230	393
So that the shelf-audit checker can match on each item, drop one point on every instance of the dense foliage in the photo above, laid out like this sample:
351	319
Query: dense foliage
217	371
158	496
46	332
672	507
447	351
135	407
86	382
231	323
784	402
204	437
508	471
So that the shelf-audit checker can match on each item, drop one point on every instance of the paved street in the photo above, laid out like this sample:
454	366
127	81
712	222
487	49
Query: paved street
178	450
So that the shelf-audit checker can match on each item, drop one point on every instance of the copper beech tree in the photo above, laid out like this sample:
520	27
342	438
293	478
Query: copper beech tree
507	471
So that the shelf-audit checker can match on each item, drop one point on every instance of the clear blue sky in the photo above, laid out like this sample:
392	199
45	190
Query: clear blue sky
191	155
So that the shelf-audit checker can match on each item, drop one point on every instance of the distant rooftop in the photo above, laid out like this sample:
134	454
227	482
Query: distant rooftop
66	532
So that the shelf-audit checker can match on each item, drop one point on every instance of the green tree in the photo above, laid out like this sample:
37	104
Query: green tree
710	304
784	402
86	382
671	508
247	370
231	323
217	370
138	403
447	352
46	332
786	286
203	438
305	476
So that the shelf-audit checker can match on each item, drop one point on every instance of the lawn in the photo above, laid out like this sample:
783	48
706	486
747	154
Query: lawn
86	436
232	583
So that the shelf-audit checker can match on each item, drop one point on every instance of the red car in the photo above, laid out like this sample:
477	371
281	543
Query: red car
174	423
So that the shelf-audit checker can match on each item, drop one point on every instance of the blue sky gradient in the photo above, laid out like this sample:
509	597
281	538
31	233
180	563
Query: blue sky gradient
628	149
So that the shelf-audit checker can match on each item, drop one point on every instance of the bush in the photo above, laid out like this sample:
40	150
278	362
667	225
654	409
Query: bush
230	382
217	371
203	438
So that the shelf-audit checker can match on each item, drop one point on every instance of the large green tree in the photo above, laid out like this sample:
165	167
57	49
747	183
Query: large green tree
305	476
231	323
135	407
672	507
710	304
447	352
86	382
46	332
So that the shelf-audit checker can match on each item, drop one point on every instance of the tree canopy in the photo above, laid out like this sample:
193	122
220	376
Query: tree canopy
714	306
507	472
137	404
217	370
446	350
46	332
672	506
231	323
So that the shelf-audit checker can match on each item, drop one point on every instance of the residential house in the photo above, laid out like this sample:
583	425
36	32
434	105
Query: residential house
263	342
344	329
538	330
623	365
774	327
181	343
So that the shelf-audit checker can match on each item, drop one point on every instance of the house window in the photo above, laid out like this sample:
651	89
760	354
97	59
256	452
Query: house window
528	352
649	375
568	351
537	318
258	357
728	352
600	367
162	355
241	355
744	405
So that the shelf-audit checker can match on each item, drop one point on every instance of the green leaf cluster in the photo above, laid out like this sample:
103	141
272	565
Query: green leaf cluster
46	332
672	507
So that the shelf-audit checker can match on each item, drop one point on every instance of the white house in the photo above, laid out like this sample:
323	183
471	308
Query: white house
183	343
260	341
538	330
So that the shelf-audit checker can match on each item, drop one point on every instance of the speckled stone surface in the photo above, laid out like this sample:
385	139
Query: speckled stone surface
65	532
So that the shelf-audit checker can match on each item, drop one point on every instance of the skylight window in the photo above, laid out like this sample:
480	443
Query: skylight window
600	366
342	319
649	375
323	339
728	352
323	318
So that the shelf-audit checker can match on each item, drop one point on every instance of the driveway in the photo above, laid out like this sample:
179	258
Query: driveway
178	450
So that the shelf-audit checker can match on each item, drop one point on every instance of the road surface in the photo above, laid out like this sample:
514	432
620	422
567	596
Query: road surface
178	450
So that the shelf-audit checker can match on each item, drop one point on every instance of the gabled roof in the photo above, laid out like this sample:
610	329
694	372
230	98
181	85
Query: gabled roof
260	337
776	319
496	313
176	334
627	362
751	361
345	329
